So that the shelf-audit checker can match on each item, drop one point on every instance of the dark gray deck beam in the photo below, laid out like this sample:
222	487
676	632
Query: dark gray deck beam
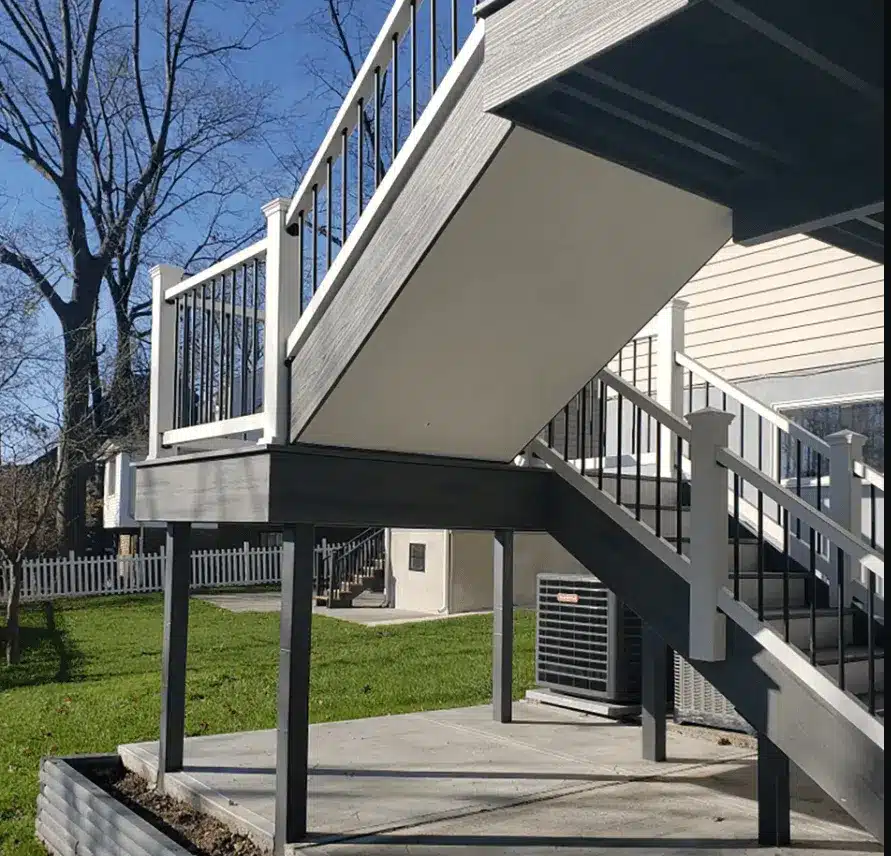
503	627
341	487
177	572
292	739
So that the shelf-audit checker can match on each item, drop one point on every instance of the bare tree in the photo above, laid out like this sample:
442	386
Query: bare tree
139	124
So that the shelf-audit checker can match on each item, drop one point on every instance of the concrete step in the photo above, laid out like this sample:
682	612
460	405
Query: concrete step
856	668
773	589
825	626
667	488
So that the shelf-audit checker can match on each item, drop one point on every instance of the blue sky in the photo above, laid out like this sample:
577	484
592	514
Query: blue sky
280	61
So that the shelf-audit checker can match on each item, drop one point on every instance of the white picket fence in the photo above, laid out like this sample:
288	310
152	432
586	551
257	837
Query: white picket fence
86	576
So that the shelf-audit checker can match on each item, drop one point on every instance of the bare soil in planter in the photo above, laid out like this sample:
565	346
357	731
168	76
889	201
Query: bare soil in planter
198	833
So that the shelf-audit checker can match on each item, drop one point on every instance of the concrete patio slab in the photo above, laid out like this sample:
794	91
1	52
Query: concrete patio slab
456	782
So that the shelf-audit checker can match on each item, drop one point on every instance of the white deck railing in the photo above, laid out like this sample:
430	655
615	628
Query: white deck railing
220	347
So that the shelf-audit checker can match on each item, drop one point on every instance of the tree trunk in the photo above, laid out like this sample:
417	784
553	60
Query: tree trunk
13	602
122	399
76	438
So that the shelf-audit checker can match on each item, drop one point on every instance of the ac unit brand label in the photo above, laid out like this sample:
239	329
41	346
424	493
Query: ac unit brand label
567	597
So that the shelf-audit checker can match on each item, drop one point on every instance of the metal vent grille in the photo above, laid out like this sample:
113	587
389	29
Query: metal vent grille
697	701
587	643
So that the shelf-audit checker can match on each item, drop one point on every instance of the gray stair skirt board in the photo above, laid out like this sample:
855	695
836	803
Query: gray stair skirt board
608	709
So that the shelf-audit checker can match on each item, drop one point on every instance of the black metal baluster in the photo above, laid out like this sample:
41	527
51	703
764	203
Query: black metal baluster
221	384
378	165
708	392
779	455
871	642
634	384
232	323
872	516
840	562
566	433
787	563
202	400
678	486
394	95
193	368
360	156
344	160
760	522
760	556
300	252
413	26
315	237
578	421
329	231
454	29
737	489
620	402
551	434
819	498
601	430
690	392
255	348
177	361
639	454
243	386
184	405
658	481
584	418
432	47
798	485
649	391
812	633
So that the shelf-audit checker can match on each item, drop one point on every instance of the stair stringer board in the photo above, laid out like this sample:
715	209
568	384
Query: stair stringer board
838	756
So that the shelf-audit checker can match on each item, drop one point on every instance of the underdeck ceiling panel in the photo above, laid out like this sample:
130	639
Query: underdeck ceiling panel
727	96
549	266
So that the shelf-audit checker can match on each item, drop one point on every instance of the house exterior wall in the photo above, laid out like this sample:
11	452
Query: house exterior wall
786	307
421	591
458	575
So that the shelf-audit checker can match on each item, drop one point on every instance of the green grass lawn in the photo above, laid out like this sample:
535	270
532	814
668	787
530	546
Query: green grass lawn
92	681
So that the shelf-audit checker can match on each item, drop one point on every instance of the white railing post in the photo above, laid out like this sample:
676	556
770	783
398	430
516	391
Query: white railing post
669	375
708	532
845	497
162	357
282	302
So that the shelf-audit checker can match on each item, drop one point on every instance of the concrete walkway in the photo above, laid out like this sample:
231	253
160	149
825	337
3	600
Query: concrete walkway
454	782
270	601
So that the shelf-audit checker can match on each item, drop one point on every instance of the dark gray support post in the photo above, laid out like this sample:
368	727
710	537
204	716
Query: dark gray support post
503	627
177	574
292	739
654	693
774	822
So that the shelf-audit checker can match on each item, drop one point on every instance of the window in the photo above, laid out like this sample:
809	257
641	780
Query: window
866	417
417	557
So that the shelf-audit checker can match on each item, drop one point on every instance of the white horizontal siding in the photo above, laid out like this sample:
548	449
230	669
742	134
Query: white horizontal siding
789	306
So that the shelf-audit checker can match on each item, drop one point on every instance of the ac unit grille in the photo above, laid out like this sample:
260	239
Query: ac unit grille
586	641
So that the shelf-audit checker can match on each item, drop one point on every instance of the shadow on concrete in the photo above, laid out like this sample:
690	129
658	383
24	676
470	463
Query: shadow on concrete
511	843
737	779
